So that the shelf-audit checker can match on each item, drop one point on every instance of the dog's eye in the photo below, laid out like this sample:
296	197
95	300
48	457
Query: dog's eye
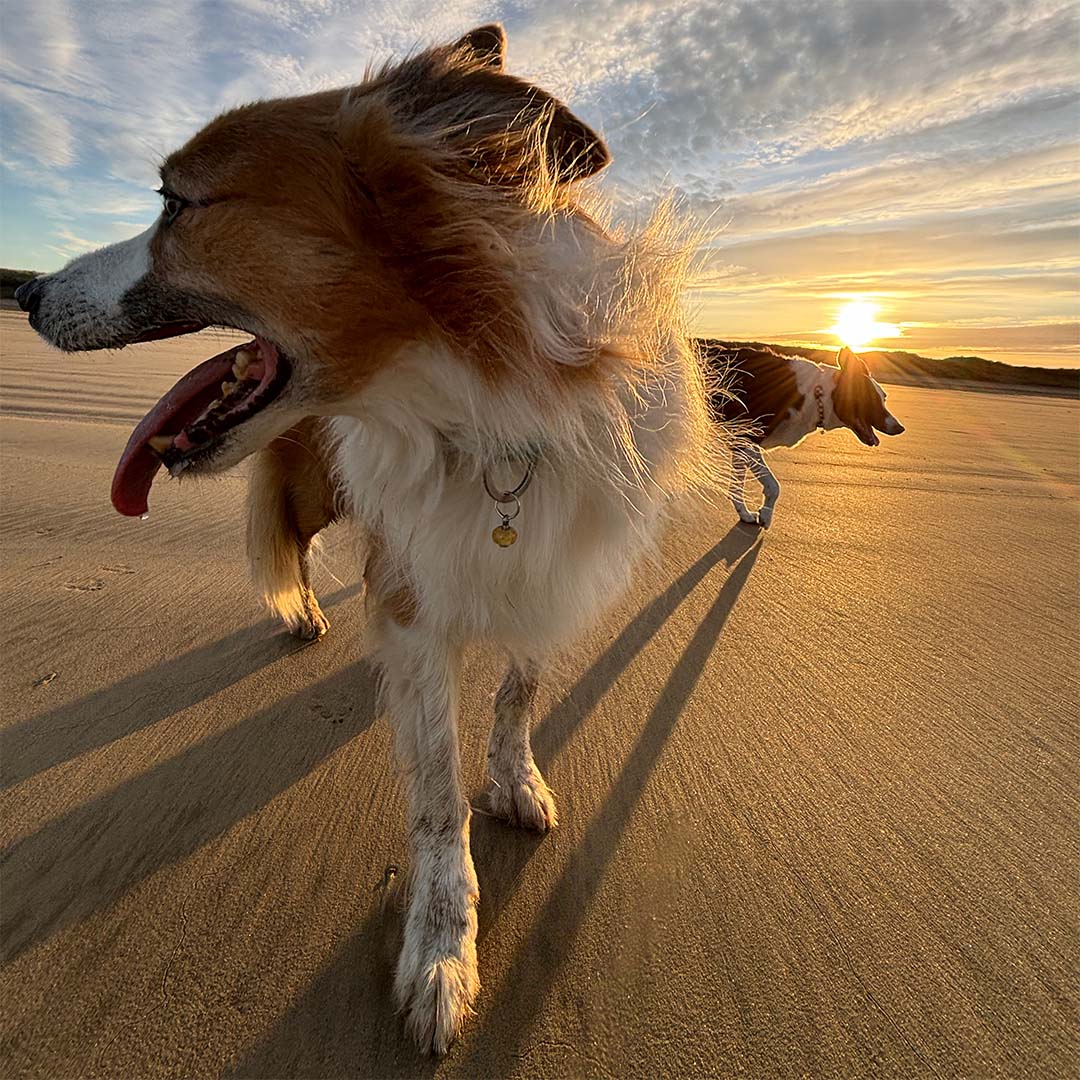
172	205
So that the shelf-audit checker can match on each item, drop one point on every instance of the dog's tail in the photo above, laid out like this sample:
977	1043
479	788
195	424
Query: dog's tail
290	500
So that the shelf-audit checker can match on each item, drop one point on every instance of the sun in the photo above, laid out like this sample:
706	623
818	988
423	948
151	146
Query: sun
856	326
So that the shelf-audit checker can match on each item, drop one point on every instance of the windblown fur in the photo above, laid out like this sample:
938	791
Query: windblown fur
558	335
560	345
439	306
614	442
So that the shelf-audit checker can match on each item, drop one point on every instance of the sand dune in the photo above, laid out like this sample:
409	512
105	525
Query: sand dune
817	788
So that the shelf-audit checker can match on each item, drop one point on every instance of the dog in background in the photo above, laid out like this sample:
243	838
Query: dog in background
451	346
785	399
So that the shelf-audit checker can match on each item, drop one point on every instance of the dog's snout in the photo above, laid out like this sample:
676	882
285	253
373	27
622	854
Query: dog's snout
28	296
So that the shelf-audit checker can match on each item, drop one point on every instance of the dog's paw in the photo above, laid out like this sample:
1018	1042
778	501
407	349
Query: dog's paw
436	996
523	800
764	516
747	515
311	623
311	627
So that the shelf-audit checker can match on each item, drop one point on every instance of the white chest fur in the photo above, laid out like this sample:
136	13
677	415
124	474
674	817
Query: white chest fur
412	463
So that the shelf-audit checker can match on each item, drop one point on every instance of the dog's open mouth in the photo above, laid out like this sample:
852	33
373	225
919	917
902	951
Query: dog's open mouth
188	424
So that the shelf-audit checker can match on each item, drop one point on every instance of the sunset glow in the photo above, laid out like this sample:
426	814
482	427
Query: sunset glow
856	325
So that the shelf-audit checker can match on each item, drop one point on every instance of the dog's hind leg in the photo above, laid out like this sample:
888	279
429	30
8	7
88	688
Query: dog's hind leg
739	461
291	499
436	979
769	484
518	793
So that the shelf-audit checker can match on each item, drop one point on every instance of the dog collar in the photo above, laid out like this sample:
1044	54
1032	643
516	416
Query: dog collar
507	503
819	396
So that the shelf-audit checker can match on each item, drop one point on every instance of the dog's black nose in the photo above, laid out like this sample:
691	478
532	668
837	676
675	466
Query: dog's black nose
28	295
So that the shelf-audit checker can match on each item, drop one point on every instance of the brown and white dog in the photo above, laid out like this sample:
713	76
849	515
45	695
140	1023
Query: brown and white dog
786	398
451	348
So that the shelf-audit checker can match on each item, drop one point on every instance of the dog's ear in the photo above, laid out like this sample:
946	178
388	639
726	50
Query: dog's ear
855	398
485	45
519	112
851	365
523	128
498	126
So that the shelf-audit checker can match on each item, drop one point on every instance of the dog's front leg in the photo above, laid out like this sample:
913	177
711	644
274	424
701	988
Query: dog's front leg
770	485
436	980
738	483
518	792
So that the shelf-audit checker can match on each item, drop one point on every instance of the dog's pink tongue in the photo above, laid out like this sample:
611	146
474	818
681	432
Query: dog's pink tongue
179	407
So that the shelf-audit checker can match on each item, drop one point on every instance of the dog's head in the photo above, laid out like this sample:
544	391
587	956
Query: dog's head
335	228
859	402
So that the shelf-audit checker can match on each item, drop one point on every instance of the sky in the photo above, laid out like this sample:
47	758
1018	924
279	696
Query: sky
920	154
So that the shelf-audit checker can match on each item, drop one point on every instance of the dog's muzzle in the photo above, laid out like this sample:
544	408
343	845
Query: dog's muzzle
28	297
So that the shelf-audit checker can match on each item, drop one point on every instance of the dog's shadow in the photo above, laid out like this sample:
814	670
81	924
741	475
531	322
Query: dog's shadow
142	699
345	1025
515	1003
554	731
86	858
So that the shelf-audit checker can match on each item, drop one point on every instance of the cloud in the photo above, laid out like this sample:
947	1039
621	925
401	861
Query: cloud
35	133
948	243
67	244
913	187
754	84
1046	337
684	90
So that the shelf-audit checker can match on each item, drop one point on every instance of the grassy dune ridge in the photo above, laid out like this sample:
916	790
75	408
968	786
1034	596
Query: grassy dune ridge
910	369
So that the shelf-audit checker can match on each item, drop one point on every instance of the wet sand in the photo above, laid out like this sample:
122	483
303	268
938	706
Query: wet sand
817	788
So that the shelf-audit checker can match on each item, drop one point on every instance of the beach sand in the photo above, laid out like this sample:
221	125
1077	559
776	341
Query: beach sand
817	788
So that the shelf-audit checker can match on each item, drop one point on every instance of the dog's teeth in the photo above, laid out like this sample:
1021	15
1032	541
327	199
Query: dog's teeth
228	387
242	362
160	443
